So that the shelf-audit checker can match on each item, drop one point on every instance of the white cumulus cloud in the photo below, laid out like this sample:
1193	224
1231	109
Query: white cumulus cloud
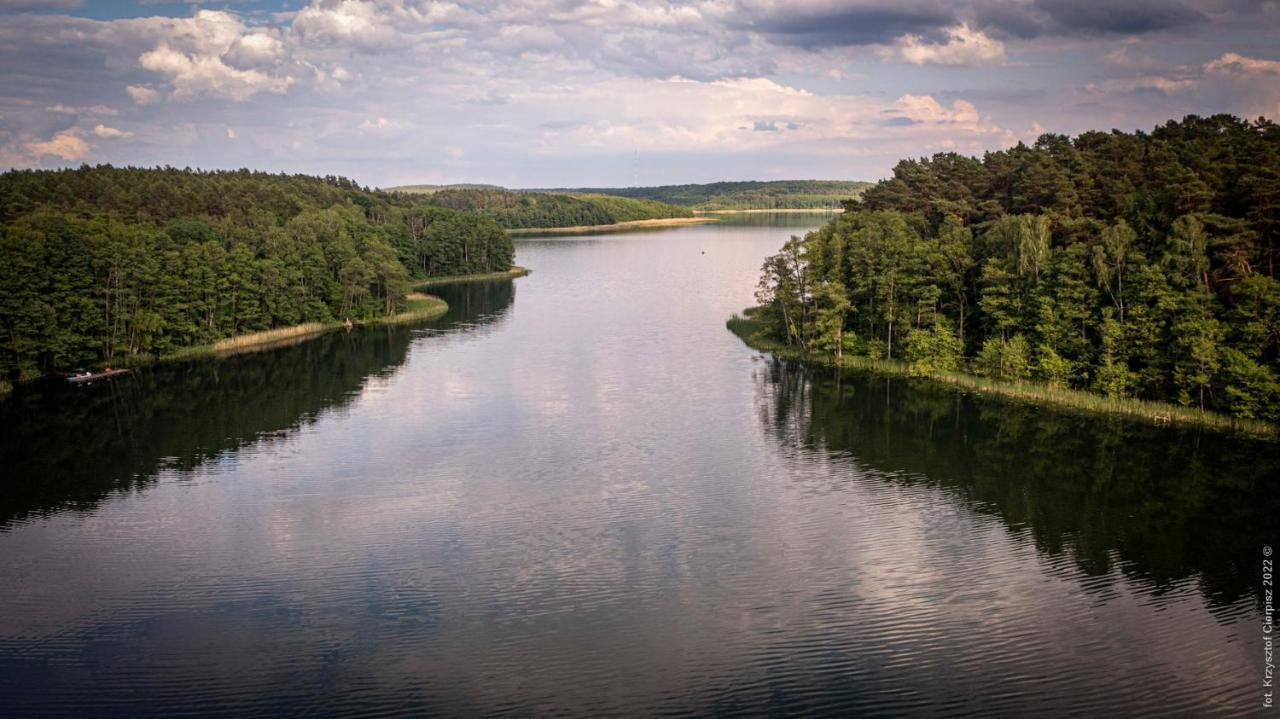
110	132
66	145
964	46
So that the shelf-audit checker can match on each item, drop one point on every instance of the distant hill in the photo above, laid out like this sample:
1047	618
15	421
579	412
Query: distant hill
751	195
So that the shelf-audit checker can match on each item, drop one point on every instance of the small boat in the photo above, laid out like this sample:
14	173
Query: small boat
82	377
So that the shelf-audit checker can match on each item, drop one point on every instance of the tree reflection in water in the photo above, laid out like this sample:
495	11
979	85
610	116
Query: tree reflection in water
1159	505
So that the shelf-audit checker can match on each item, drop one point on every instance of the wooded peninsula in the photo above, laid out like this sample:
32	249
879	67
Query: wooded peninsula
110	265
1133	266
527	210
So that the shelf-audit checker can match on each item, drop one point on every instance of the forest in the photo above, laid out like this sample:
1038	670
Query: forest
747	195
518	210
1137	265
105	264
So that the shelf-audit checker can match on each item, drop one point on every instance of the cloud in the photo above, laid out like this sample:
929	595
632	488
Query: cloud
142	94
1251	84
259	48
1127	17
93	110
378	26
841	24
1125	58
963	46
214	54
748	116
205	75
66	145
529	89
110	132
23	5
380	124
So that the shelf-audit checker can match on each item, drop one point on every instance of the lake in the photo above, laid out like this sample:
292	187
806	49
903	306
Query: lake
578	493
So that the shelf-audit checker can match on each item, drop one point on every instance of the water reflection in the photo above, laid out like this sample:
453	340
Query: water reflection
800	222
70	447
1115	496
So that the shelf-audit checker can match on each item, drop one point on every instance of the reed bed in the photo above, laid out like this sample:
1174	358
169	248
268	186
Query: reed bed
418	306
253	339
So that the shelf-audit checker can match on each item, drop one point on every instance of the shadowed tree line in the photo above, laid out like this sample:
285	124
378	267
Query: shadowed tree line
70	447
1156	504
104	263
1129	264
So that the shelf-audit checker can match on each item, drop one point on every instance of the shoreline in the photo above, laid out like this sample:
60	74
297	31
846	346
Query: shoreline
514	272
791	211
630	224
419	307
1161	414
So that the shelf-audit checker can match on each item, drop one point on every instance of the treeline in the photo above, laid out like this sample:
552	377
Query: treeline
526	210
751	195
1132	265
103	263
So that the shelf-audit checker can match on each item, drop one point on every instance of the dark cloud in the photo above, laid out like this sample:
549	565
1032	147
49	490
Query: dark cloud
1011	18
27	5
865	24
1126	17
900	122
762	126
881	22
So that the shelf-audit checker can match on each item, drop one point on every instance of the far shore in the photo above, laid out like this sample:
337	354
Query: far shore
630	224
802	210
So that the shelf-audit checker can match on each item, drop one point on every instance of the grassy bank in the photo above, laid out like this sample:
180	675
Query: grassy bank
630	225
418	307
751	332
510	274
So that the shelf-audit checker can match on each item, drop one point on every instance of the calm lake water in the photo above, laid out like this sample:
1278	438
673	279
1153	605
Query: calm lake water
579	494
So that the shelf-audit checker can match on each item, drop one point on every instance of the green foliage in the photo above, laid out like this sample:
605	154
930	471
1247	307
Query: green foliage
102	263
933	350
832	309
526	210
1052	368
1252	390
1005	359
1137	265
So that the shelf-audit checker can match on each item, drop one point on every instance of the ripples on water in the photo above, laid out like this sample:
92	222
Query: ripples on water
594	500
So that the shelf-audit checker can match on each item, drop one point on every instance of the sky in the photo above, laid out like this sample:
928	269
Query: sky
562	93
